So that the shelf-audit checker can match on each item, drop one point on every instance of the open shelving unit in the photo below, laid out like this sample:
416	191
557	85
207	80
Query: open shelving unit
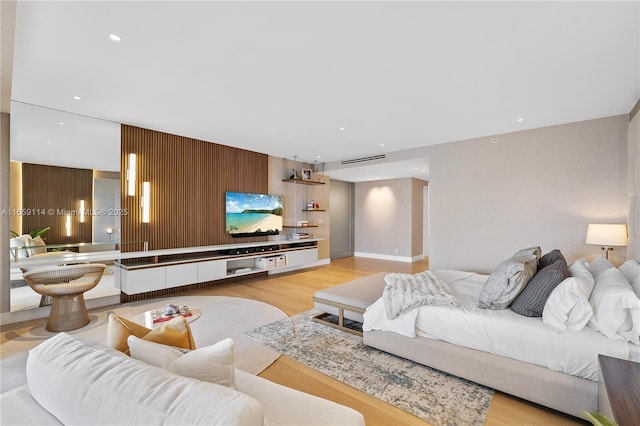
304	181
172	268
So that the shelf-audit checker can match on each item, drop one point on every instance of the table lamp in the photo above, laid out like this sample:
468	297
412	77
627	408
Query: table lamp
607	235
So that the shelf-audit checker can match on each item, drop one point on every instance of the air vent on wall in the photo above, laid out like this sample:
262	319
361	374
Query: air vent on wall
364	159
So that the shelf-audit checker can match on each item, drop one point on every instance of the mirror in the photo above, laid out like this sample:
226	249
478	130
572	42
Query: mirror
58	139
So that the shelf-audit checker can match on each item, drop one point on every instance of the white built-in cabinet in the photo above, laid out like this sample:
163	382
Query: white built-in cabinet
214	263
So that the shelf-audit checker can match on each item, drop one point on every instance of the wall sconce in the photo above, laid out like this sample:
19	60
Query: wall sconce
131	175
67	224
607	235
146	201
109	231
81	211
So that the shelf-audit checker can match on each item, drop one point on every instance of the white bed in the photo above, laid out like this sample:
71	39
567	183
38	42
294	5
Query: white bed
500	332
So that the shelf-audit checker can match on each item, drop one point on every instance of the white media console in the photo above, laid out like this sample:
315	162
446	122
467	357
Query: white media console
165	269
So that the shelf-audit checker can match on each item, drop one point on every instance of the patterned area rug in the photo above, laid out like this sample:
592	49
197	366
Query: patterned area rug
221	317
434	396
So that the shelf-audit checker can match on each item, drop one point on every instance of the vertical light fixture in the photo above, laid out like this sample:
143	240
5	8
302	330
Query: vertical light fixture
81	211
146	201
67	224
131	175
607	235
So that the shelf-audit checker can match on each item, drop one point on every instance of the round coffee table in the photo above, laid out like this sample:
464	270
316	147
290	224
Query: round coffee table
146	318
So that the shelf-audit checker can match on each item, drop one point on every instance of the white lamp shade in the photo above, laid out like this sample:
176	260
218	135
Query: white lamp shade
606	234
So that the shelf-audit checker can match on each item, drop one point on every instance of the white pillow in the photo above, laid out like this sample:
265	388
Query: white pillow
39	243
568	308
616	308
210	364
82	383
631	271
599	265
21	241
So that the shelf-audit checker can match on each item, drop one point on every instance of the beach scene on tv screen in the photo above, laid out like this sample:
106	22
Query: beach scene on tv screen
253	213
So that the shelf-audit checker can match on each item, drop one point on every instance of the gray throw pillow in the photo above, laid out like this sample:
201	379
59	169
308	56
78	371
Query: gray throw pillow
528	253
530	302
550	258
507	281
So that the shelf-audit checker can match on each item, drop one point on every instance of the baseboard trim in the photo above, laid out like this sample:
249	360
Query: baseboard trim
384	257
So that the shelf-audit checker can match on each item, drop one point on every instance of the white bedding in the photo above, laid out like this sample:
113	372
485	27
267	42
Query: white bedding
501	332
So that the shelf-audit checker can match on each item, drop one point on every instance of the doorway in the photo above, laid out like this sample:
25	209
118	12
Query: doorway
341	218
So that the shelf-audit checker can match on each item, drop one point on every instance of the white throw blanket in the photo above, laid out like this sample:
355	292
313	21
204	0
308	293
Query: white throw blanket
405	292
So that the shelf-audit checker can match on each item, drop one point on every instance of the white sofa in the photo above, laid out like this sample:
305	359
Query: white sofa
69	380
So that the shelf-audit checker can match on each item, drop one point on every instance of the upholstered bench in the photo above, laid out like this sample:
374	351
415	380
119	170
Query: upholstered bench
348	302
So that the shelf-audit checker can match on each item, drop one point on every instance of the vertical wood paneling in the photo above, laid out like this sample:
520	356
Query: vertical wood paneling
50	191
188	180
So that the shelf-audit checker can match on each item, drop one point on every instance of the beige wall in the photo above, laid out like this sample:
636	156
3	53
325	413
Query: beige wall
5	287
388	219
633	170
535	187
417	216
15	182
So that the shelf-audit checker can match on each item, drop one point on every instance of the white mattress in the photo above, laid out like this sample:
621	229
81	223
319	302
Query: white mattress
501	332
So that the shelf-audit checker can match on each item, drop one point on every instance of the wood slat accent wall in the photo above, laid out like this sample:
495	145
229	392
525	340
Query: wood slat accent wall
57	189
188	180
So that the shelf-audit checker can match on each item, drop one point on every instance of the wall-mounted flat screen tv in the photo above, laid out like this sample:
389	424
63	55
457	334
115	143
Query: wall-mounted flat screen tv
250	214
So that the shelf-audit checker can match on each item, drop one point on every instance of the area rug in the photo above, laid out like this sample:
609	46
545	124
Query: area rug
220	317
434	396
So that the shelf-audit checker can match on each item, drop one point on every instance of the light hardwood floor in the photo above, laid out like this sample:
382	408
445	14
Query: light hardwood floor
292	292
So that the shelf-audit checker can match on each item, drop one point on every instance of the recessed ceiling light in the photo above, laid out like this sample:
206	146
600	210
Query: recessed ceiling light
61	123
114	37
77	98
341	128
520	120
381	144
49	142
317	156
415	168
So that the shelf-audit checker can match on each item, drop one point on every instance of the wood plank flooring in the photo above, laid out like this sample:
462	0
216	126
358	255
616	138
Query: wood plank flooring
292	292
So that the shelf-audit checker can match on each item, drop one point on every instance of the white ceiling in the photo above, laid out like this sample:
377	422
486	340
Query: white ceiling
283	78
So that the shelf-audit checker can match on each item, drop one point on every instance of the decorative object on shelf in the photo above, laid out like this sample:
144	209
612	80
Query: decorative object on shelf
303	223
294	172
312	205
300	236
607	235
306	174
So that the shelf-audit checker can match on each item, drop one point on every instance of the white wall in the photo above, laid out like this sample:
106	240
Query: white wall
536	187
